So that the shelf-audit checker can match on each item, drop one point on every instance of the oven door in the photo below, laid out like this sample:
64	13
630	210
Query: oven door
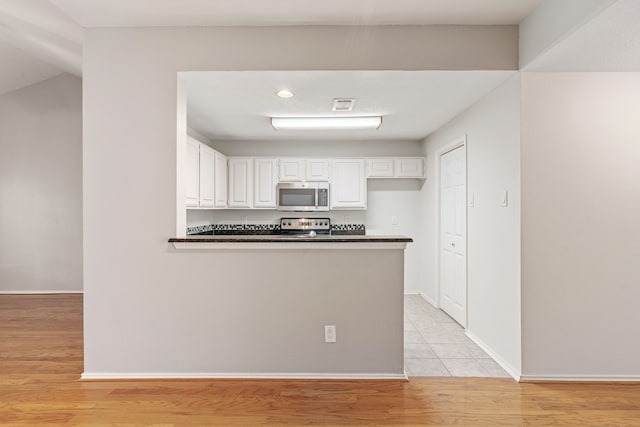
297	198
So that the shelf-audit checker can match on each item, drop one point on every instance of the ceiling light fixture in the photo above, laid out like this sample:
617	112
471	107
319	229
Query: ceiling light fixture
284	93
326	123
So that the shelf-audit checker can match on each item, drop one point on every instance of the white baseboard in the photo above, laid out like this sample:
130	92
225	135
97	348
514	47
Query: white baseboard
38	292
429	300
257	376
582	378
499	360
425	297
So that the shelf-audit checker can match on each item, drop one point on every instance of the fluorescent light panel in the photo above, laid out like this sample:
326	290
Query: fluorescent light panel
327	123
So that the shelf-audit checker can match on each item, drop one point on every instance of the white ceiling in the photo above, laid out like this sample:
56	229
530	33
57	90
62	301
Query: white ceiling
609	42
237	105
129	13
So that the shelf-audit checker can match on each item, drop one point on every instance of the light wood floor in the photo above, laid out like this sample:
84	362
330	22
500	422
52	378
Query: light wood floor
41	361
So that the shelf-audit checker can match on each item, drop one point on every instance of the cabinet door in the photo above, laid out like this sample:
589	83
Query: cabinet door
265	179
349	184
206	185
240	182
193	173
291	170
410	167
220	181
380	168
317	170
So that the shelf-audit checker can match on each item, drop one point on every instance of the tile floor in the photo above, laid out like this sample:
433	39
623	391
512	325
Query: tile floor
435	345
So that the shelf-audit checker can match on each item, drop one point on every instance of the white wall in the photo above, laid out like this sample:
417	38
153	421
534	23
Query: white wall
580	228
41	187
492	127
132	279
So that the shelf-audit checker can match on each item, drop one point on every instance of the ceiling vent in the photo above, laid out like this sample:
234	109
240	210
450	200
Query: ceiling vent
343	104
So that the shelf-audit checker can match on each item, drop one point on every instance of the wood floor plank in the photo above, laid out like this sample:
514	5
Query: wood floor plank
41	360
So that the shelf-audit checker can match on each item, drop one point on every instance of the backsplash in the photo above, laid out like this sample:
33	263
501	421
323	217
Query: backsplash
347	229
266	229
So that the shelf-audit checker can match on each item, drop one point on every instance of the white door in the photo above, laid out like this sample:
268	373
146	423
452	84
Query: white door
453	234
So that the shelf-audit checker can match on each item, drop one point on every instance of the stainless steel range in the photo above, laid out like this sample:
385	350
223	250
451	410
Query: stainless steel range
305	226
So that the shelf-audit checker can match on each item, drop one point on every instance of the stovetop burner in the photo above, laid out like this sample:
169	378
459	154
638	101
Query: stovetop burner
305	226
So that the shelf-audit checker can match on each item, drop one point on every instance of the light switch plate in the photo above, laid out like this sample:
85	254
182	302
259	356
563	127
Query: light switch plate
504	201
330	333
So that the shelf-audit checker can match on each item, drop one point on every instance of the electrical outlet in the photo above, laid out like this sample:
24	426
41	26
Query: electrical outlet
330	333
394	220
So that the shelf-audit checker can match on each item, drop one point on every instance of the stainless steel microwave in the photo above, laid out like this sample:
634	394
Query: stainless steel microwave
303	197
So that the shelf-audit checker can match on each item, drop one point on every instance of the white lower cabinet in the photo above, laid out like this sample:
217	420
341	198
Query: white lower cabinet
348	184
265	179
240	195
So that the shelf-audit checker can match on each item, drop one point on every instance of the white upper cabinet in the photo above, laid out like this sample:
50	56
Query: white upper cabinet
317	170
395	167
207	177
380	168
220	181
292	170
265	179
240	182
348	184
193	173
214	181
410	167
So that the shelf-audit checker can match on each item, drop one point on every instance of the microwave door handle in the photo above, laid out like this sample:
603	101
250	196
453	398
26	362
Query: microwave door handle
316	193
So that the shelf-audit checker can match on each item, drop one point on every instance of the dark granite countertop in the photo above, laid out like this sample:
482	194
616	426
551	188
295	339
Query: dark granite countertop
261	238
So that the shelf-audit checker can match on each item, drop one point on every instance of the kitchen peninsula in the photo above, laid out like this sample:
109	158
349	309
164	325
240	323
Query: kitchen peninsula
297	286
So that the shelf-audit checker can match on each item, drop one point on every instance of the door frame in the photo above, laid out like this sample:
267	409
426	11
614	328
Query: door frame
456	143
